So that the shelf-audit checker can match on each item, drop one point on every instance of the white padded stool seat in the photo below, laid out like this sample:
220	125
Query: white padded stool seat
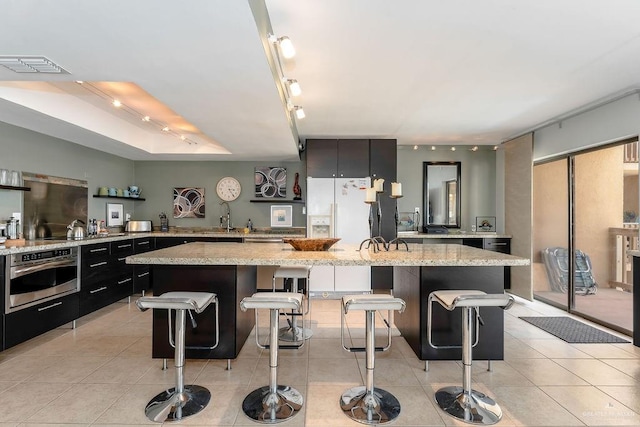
372	302
178	300
452	299
272	300
294	272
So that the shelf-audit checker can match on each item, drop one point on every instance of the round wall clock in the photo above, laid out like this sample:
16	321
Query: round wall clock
228	188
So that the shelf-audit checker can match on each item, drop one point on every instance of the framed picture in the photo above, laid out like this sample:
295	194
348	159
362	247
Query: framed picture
485	223
281	215
188	202
271	182
115	216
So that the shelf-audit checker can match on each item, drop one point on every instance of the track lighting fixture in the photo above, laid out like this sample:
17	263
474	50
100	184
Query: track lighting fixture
294	86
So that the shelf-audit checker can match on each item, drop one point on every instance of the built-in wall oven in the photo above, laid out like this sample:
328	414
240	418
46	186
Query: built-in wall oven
35	277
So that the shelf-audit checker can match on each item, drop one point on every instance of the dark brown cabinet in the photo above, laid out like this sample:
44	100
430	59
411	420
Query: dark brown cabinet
337	158
498	244
142	273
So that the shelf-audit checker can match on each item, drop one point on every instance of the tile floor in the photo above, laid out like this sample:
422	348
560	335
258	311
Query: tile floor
101	373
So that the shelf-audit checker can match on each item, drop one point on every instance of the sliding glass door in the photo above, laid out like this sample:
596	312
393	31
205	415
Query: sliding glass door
585	222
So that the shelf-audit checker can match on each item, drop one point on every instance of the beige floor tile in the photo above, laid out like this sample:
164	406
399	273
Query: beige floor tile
23	400
545	372
596	372
604	351
128	409
592	406
325	410
215	372
440	371
516	349
21	367
334	371
530	406
390	372
142	347
416	407
627	395
222	410
321	348
501	374
555	348
81	403
69	369
120	370
630	367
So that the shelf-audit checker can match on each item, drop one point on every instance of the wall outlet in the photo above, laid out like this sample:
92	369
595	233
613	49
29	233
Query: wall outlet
18	216
416	209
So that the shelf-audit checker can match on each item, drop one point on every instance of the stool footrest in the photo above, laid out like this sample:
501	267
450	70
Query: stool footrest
363	349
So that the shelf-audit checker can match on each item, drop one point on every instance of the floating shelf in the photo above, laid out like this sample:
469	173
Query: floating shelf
117	197
11	187
275	201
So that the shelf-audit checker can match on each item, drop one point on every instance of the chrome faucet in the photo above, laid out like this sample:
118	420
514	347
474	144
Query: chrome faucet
226	217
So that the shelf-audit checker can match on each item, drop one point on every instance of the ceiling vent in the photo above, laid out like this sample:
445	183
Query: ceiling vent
31	64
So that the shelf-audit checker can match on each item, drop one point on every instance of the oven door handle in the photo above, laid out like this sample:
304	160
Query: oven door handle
18	272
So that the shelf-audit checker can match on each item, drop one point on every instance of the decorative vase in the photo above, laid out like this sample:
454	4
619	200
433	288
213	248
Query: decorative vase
296	188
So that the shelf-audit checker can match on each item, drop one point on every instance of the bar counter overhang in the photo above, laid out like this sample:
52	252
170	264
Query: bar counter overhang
230	271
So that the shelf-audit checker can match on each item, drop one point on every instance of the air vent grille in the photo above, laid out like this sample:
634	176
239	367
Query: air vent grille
31	64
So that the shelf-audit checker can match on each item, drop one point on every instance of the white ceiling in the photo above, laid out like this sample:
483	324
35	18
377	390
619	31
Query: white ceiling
422	71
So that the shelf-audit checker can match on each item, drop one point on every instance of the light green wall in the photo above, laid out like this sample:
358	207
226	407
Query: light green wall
30	151
157	180
478	187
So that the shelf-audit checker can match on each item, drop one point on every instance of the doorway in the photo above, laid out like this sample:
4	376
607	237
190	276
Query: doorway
585	222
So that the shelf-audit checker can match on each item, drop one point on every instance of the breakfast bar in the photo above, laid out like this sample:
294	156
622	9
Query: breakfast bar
229	270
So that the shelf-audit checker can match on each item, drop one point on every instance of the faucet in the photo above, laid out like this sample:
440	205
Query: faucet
226	217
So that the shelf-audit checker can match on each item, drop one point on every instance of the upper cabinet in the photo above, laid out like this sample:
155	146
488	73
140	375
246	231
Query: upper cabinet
383	160
337	158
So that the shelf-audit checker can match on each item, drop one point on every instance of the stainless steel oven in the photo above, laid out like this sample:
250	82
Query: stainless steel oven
35	277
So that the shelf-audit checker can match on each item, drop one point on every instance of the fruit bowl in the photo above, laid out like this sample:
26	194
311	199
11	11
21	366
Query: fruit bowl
311	244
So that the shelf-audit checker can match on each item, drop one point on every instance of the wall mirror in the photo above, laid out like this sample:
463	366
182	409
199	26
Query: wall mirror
441	194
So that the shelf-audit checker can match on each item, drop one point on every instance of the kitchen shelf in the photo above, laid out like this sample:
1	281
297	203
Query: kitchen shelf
275	201
117	197
11	187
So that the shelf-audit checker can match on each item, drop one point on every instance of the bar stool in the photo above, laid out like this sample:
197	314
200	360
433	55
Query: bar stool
182	400
464	403
369	404
272	403
293	332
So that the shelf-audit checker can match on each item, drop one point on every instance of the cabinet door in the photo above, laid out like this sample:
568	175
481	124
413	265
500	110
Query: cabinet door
322	158
353	158
142	245
383	157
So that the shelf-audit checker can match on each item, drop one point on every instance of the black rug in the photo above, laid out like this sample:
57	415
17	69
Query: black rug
572	331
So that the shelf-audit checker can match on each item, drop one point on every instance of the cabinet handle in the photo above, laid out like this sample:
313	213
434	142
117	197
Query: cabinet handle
496	244
98	290
122	259
124	246
98	264
146	242
143	274
50	306
97	250
128	279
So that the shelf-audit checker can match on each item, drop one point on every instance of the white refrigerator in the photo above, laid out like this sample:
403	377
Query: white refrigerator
336	208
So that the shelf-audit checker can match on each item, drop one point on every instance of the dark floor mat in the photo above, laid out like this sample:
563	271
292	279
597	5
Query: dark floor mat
572	331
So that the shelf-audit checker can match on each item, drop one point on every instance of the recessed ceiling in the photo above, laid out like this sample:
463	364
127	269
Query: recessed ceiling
421	71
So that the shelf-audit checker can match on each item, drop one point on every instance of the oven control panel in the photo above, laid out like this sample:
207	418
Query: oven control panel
54	253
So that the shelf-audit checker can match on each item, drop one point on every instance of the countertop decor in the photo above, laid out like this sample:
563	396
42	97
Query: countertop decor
311	244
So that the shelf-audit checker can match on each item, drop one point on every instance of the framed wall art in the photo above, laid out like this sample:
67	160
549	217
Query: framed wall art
270	182
281	216
115	216
485	223
188	202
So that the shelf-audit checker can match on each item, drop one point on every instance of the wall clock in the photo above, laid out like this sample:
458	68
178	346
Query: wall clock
228	188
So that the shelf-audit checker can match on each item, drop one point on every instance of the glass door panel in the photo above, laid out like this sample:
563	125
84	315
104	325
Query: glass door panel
551	232
605	228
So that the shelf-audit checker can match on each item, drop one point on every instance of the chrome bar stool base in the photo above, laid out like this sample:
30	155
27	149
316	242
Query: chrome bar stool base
381	407
283	404
294	334
170	406
475	408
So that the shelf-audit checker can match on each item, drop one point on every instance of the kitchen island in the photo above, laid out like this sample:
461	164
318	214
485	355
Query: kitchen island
229	270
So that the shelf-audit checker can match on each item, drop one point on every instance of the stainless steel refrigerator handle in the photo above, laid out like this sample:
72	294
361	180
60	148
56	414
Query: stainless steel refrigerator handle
334	213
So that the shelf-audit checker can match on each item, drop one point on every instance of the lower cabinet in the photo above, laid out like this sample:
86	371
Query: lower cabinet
498	244
35	320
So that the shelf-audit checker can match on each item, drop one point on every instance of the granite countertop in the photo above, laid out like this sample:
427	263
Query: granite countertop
201	253
452	235
634	253
43	245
